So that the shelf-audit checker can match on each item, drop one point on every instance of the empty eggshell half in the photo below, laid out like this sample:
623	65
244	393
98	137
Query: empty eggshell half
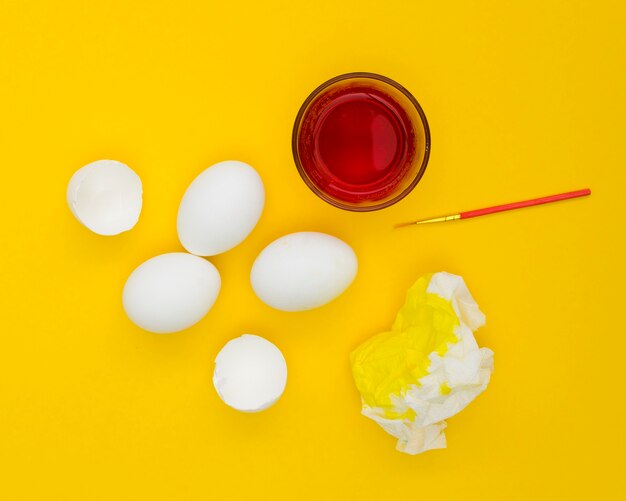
105	196
220	208
303	270
250	373
170	292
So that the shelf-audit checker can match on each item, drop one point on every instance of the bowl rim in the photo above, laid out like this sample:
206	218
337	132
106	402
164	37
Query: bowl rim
314	188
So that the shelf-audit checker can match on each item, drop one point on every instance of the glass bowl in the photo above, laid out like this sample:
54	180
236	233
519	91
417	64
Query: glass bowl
361	142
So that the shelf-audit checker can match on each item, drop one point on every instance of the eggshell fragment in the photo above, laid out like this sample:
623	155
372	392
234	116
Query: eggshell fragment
171	292
303	270
220	208
250	373
105	196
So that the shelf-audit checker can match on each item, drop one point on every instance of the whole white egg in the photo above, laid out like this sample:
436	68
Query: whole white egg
301	271
250	373
220	208
170	292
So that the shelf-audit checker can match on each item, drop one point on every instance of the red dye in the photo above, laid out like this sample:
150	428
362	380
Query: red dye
356	143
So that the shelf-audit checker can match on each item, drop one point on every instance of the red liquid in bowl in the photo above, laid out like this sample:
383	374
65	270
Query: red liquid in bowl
356	143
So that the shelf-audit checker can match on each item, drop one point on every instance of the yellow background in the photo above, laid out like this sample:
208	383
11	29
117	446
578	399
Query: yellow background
524	99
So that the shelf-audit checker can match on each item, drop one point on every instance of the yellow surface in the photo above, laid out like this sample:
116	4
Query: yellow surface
524	99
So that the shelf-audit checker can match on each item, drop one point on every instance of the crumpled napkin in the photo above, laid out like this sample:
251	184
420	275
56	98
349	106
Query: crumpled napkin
428	367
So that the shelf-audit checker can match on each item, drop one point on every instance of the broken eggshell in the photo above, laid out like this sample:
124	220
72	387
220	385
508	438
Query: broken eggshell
250	373
105	196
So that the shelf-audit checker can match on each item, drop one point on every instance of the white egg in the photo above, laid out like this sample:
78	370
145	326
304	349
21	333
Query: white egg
105	196
303	270
250	373
220	208
170	292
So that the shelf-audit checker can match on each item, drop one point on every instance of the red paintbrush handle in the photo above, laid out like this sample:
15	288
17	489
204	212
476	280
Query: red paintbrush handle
525	203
